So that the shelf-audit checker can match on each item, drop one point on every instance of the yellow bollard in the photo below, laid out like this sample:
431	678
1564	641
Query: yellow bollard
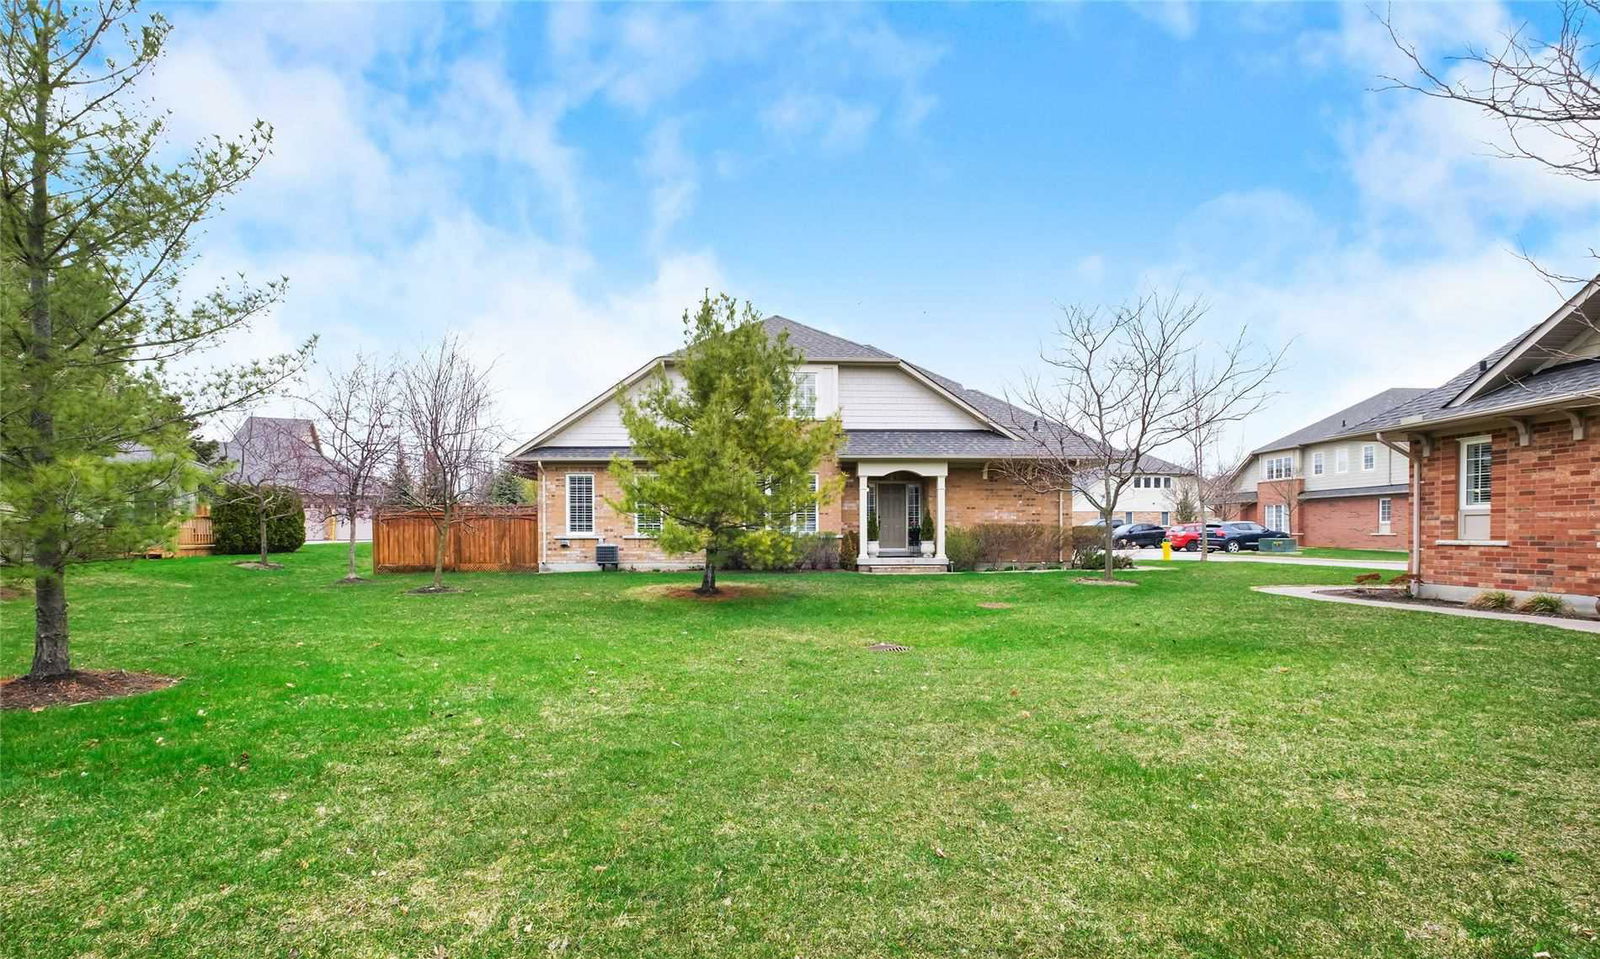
1166	550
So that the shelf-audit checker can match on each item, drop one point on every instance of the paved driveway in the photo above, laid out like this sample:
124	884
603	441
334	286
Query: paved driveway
1152	554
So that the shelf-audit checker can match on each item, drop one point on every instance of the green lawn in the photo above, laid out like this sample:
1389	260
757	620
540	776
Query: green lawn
1369	555
568	765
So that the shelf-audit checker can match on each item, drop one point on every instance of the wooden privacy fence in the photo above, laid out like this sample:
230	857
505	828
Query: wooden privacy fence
481	539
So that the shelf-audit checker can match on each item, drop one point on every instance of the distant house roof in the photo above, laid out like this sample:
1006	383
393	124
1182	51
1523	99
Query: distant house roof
1532	369
1341	422
815	345
280	450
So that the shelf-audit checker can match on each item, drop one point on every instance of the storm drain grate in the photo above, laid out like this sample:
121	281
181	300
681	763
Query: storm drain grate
888	648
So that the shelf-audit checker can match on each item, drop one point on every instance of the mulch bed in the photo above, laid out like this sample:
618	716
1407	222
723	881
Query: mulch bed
257	564
1398	596
724	593
1105	582
78	686
434	590
11	592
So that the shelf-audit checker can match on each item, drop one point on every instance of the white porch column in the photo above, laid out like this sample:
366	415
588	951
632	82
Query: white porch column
938	522
861	505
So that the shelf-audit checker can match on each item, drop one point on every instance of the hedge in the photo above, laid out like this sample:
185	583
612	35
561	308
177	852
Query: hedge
235	521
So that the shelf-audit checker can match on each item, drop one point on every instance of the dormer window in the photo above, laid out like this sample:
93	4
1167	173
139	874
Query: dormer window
803	401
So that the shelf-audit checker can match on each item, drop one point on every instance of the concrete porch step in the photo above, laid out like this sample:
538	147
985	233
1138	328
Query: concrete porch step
905	568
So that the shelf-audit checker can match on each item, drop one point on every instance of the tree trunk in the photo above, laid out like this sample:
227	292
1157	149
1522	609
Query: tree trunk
50	650
262	517
50	635
441	534
1199	459
708	580
350	557
1111	557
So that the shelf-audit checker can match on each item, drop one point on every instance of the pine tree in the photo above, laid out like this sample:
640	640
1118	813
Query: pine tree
400	490
94	236
506	489
722	455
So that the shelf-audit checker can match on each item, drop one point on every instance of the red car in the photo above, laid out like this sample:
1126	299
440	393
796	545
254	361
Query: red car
1187	536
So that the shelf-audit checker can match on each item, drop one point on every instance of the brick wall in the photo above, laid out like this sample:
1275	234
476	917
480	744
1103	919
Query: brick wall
1082	517
1351	522
617	528
1543	505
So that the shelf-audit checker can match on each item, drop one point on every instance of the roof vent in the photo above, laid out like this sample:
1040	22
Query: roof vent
1483	366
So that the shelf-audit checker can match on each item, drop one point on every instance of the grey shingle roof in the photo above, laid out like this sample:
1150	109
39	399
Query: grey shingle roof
814	344
1342	421
284	450
1580	378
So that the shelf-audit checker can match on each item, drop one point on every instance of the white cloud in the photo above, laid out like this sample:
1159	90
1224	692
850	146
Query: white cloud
1425	278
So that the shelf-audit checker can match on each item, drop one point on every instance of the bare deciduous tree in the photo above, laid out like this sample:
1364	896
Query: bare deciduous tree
447	407
1220	390
1545	93
267	457
1115	394
359	414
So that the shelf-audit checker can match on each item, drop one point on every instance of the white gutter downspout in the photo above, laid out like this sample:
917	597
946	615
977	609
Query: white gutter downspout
539	465
1414	551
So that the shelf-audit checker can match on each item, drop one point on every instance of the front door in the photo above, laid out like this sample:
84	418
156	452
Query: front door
892	516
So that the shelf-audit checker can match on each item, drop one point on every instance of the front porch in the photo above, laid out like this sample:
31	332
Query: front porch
899	498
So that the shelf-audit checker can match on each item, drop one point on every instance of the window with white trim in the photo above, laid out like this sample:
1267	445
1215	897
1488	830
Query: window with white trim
1166	482
913	505
1277	516
1385	511
1319	463
580	503
1166	518
872	502
1477	461
1369	457
1128	516
1277	467
803	401
647	521
1341	460
805	521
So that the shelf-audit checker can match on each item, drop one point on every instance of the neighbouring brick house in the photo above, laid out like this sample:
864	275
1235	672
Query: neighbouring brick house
1506	465
287	451
915	442
1328	489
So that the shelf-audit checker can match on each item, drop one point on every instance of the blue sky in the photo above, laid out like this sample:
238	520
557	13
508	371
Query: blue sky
556	183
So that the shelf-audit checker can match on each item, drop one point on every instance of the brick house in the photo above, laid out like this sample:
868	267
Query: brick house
1327	489
915	442
1506	465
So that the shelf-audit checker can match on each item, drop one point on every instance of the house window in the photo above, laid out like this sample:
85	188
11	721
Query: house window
580	502
872	503
647	521
913	505
803	402
1277	467
805	521
1476	458
1128	516
1385	515
1319	463
1166	482
1369	457
1166	518
1277	516
1341	460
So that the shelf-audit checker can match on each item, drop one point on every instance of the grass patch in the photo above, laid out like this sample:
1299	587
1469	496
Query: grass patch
551	765
1369	555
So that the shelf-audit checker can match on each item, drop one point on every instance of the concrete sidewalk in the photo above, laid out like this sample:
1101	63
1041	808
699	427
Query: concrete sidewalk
1315	592
1155	554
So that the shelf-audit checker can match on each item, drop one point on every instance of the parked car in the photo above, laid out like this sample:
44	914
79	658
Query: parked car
1233	537
1186	536
1138	534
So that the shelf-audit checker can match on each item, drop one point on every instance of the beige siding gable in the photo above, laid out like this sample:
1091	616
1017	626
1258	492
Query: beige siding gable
889	398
